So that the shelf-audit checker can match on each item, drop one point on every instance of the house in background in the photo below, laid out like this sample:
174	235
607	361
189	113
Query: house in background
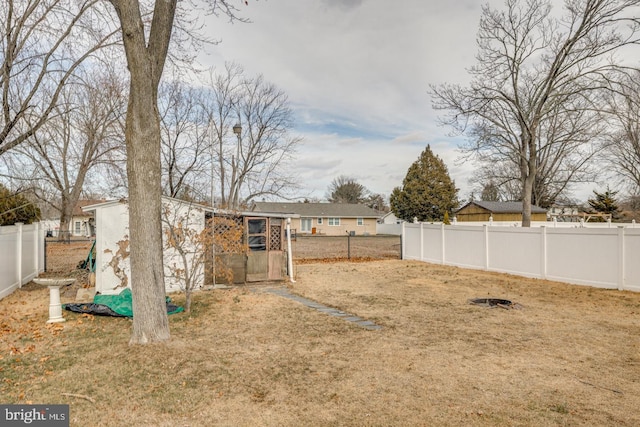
565	212
330	219
83	223
389	218
482	211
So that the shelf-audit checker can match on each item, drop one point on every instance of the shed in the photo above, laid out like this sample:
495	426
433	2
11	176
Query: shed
478	210
264	233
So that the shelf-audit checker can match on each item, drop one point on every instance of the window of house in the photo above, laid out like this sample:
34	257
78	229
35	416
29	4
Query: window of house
78	227
319	221
334	221
360	221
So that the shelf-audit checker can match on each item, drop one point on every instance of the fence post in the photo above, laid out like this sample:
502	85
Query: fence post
402	240
36	247
543	254
421	231
19	253
621	255
486	246
443	245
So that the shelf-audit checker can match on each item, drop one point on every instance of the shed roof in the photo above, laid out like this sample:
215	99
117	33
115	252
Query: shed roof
338	210
502	207
205	208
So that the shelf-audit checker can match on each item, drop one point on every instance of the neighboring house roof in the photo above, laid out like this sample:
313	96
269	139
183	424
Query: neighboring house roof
502	207
334	210
78	210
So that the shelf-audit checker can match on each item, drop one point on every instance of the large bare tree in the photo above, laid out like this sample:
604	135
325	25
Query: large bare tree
42	43
252	145
568	140
623	148
186	158
146	34
531	65
346	189
85	130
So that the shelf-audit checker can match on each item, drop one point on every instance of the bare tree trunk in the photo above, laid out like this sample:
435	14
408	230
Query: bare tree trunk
142	136
66	213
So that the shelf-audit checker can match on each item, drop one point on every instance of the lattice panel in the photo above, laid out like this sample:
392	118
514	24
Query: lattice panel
275	238
229	236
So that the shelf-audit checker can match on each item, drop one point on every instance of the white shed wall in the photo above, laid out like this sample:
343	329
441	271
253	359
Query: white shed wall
113	268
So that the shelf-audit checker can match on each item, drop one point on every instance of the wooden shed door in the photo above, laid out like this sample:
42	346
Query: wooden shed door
276	254
265	257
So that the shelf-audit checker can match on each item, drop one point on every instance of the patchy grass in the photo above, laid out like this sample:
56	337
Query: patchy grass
243	357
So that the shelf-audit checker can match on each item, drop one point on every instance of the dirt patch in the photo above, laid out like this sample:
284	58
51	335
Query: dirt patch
318	248
569	356
64	257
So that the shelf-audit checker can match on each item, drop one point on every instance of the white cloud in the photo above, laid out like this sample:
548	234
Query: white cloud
357	73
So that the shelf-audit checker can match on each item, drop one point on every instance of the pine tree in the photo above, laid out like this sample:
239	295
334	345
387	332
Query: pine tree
427	192
16	208
605	203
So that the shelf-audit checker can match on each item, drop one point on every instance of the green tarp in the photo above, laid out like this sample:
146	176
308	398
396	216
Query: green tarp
121	303
115	305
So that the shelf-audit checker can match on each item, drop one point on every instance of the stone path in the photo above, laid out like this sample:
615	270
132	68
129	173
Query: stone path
367	324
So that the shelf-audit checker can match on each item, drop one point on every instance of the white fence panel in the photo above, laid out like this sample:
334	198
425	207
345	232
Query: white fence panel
8	260
22	256
465	246
586	256
29	253
392	229
411	241
631	259
599	257
432	243
516	250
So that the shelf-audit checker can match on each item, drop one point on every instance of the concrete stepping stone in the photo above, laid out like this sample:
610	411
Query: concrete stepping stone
367	324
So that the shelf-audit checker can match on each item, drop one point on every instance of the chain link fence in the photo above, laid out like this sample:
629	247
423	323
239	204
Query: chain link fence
346	247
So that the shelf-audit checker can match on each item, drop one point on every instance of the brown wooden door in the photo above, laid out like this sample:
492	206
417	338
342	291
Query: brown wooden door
266	258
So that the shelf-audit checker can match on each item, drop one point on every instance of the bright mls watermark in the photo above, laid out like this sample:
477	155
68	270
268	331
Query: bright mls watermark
34	415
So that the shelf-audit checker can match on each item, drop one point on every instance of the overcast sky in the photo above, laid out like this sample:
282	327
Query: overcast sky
357	74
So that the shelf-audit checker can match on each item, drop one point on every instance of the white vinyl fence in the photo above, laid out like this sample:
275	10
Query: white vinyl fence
393	229
21	255
599	257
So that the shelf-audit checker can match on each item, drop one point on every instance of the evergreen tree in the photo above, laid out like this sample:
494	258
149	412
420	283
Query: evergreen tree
490	192
16	208
605	203
427	192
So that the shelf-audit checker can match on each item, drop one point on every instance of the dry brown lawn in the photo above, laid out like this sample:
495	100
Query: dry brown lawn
570	356
313	248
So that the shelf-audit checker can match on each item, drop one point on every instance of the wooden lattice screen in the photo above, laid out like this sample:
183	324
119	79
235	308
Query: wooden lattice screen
275	237
229	232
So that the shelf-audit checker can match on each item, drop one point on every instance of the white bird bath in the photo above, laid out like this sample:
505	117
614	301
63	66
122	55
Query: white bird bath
54	285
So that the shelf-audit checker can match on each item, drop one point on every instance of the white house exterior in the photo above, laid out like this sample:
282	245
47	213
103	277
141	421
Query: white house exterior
113	269
389	218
